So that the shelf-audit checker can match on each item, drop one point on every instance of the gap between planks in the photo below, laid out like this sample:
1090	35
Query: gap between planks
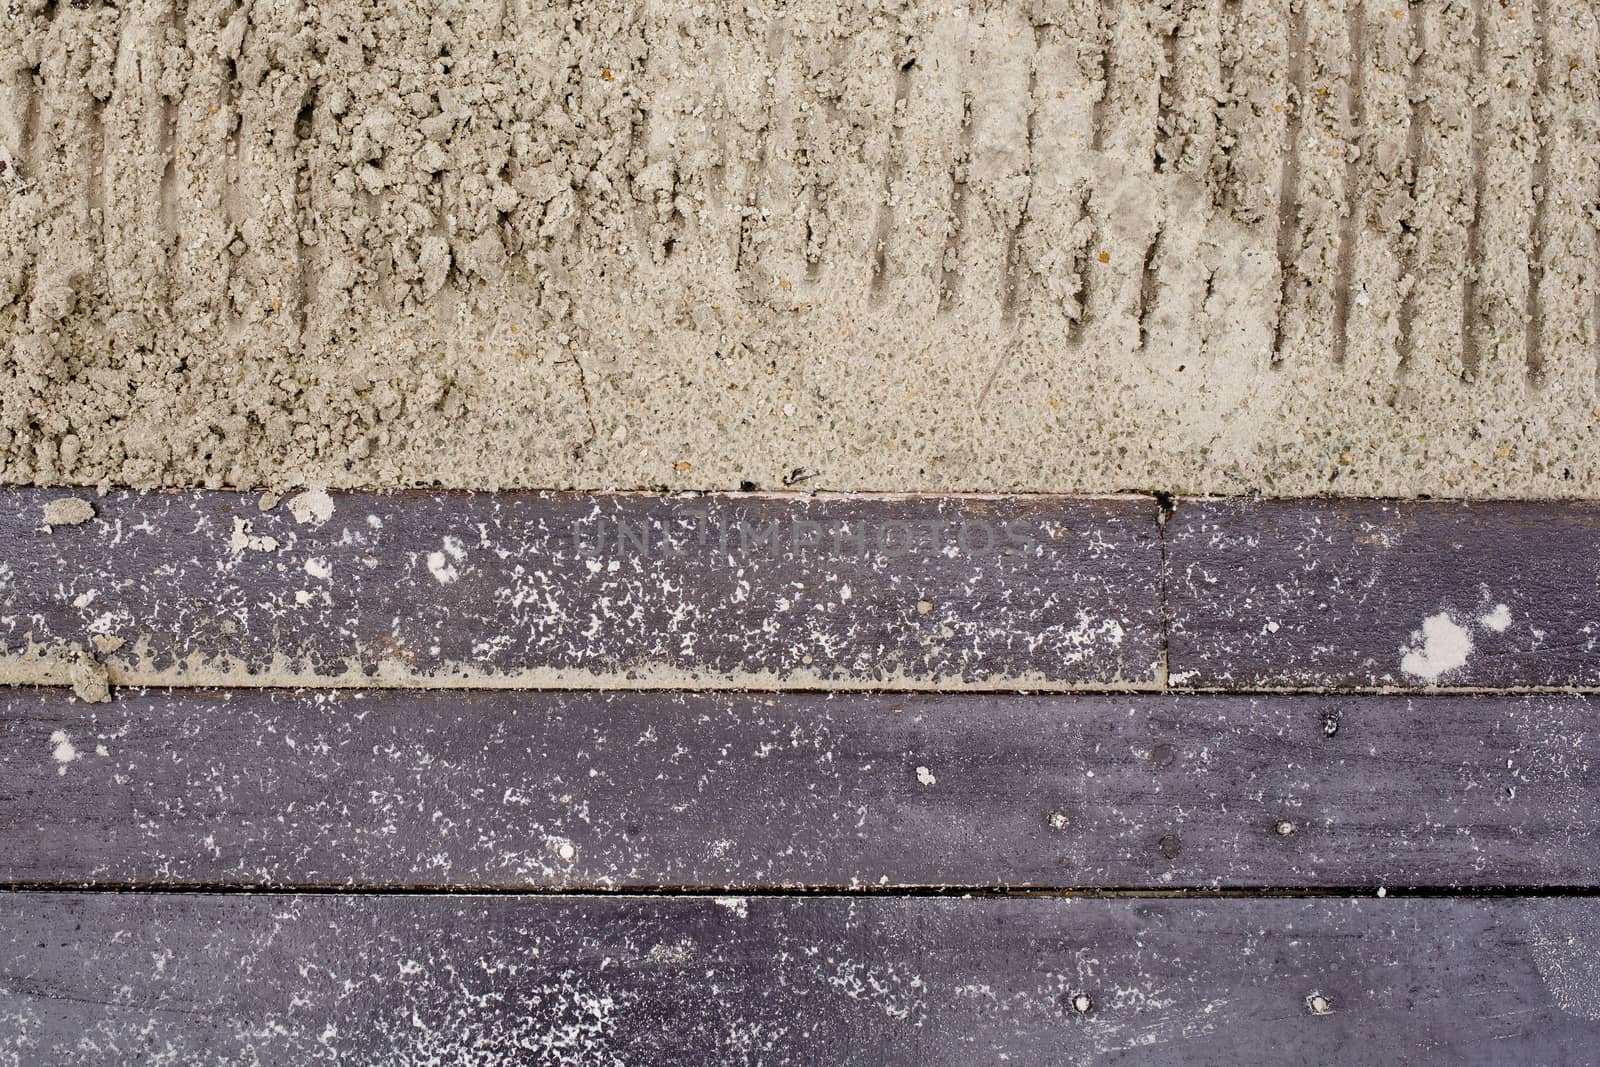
951	892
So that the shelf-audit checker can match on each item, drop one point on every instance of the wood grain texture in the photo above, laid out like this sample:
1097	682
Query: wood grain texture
1313	594
799	853
596	790
91	979
530	590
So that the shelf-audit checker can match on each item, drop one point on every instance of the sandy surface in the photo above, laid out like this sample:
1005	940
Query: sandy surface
1206	246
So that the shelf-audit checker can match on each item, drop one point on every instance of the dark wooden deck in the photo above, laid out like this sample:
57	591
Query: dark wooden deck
526	778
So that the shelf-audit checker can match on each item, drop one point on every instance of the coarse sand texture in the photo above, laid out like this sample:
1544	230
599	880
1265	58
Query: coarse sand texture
1077	245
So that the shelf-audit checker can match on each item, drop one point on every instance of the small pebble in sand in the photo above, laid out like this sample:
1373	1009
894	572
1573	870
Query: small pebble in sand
68	511
314	506
90	683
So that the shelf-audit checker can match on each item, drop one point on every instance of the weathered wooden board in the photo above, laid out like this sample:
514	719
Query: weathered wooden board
1361	593
623	591
114	978
592	789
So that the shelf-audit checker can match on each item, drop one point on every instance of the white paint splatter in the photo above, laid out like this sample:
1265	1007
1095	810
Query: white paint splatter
242	539
925	776
1444	646
441	569
1497	620
679	953
108	622
740	906
313	506
892	987
1565	939
65	752
1089	637
439	564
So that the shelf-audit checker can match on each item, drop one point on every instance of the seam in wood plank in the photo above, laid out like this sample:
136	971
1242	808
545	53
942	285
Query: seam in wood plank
975	891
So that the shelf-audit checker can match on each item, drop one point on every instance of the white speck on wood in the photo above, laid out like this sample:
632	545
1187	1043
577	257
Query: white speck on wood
64	752
242	539
1441	646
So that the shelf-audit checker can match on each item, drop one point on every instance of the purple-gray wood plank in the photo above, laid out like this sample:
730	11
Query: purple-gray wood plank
413	980
1351	593
878	798
525	589
793	592
592	789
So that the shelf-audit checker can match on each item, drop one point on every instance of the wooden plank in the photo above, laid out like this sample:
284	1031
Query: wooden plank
532	590
587	789
417	979
1313	594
